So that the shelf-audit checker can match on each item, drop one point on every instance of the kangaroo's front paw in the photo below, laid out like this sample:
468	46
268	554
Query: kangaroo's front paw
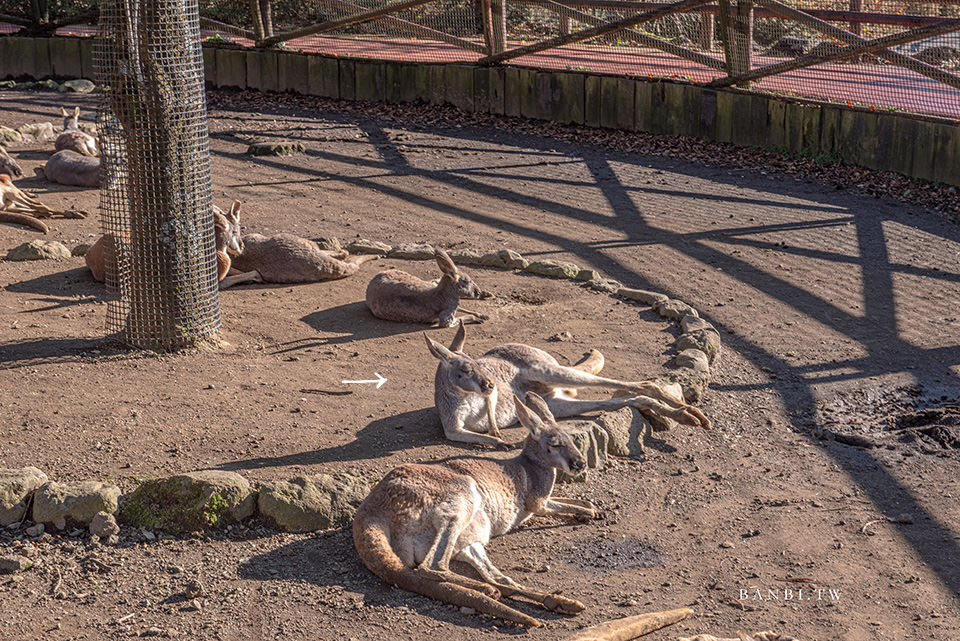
563	605
482	317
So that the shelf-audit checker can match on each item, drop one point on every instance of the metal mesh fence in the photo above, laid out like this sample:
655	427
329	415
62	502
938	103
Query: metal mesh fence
155	197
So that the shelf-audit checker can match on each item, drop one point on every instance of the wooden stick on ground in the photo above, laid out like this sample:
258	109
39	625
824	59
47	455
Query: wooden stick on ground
631	627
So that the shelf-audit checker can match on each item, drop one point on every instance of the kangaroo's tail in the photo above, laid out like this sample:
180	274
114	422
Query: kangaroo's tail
373	545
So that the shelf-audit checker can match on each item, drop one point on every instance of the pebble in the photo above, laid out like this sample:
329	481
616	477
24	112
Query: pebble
726	545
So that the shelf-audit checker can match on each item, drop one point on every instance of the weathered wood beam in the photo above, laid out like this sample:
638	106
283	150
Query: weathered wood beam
330	25
642	38
866	46
593	32
216	25
851	38
415	29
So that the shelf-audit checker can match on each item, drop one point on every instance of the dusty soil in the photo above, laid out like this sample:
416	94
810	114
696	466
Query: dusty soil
839	317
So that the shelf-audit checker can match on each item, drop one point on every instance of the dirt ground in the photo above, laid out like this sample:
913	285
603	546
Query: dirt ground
824	504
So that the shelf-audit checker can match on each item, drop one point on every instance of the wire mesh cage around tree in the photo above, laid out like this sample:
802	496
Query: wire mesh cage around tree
156	198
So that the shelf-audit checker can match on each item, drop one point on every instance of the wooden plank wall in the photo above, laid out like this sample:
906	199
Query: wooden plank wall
923	148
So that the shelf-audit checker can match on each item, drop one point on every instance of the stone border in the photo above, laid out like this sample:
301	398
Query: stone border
209	499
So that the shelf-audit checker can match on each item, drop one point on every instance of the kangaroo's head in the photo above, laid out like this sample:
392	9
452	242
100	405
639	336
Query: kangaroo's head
70	119
227	228
547	442
462	372
458	280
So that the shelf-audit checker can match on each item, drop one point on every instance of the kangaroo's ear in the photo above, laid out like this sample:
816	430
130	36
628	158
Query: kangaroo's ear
438	350
527	418
459	339
445	263
76	112
536	403
235	211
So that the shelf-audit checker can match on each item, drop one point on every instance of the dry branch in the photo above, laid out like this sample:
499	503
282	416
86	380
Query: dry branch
631	627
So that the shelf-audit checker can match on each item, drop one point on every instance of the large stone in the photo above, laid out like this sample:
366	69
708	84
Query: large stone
104	525
512	259
79	85
10	135
553	269
706	341
674	309
642	296
39	250
39	131
694	359
75	502
503	259
692	381
364	246
309	503
15	489
190	502
413	251
606	285
277	148
13	563
693	323
627	429
328	244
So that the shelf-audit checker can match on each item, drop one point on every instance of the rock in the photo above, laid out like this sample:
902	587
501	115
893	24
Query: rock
560	337
10	135
588	275
39	132
692	323
627	430
553	269
190	502
642	295
605	285
79	85
49	85
413	251
81	249
279	148
674	309
328	244
512	259
35	530
76	502
104	525
16	485
152	632
694	359
693	382
309	503
13	563
8	84
702	340
39	250
364	246
905	518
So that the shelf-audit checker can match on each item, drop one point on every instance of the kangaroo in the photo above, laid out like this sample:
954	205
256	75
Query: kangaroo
8	165
227	239
67	167
396	295
423	515
467	390
285	258
73	138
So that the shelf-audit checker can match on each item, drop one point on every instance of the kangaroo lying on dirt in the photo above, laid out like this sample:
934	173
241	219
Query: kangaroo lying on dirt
227	239
398	296
73	138
285	258
8	165
67	167
423	515
467	390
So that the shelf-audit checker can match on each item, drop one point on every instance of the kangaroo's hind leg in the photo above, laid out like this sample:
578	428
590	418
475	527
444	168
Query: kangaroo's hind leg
476	556
591	363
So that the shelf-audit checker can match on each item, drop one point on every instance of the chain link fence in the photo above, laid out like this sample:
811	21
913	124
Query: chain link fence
155	196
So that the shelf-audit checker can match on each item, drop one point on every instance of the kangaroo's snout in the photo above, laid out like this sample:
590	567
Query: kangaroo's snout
487	385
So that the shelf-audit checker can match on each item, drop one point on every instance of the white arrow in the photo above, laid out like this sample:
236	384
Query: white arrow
379	380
